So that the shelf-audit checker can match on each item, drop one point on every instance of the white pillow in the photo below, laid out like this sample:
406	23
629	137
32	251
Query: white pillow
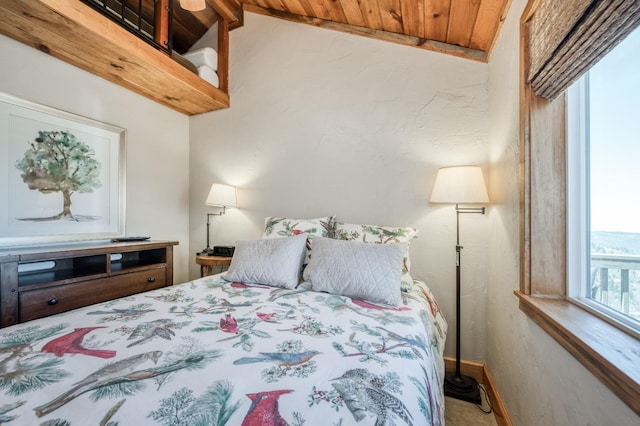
381	235
355	269
274	262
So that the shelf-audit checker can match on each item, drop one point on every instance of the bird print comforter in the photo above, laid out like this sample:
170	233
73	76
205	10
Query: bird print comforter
209	352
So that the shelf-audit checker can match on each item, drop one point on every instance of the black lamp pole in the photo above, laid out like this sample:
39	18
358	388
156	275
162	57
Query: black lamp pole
456	385
208	251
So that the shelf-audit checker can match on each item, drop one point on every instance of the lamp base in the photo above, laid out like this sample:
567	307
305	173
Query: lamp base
462	387
206	252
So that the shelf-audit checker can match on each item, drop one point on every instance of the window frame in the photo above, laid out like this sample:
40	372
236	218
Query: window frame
606	351
578	241
578	209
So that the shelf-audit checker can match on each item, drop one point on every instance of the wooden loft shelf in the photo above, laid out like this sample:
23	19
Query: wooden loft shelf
73	32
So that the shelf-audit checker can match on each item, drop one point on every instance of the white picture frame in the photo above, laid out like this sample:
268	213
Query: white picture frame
62	176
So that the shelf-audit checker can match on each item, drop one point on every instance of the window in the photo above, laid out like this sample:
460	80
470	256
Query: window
603	221
560	41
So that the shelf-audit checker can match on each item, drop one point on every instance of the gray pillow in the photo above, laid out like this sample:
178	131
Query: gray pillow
362	270
274	262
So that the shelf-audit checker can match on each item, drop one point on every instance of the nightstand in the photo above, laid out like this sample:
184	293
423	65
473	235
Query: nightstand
207	263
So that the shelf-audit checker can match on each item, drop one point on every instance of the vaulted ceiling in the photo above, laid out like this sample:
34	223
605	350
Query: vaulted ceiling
466	28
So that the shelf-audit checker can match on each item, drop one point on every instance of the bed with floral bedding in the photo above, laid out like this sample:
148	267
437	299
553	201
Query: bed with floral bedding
217	351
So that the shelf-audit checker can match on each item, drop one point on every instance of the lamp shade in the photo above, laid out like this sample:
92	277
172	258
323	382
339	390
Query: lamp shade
193	5
222	196
458	185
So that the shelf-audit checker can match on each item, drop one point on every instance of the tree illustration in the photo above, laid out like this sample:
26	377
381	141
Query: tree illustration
59	162
23	368
213	408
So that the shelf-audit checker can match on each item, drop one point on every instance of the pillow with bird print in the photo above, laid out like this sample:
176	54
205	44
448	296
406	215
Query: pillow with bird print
274	262
381	235
278	227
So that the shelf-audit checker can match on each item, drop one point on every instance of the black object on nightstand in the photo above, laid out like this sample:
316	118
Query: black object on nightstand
226	251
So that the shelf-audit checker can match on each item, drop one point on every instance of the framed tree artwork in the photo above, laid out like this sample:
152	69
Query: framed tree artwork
62	176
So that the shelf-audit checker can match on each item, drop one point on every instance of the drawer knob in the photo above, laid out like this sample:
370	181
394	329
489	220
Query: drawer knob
151	279
52	301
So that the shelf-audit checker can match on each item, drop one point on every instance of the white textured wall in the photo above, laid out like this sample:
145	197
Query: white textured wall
209	39
323	122
541	383
157	143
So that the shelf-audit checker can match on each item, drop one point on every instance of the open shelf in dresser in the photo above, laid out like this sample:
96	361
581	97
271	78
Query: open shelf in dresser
37	282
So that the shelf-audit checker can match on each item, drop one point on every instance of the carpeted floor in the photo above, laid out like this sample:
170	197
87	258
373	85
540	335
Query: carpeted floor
462	413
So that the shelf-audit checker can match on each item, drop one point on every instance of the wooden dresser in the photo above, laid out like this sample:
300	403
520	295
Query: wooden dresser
39	281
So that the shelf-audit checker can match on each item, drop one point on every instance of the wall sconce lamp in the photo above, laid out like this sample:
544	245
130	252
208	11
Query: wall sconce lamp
193	5
219	196
456	185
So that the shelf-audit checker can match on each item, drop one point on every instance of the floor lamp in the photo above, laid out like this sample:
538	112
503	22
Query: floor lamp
460	185
219	196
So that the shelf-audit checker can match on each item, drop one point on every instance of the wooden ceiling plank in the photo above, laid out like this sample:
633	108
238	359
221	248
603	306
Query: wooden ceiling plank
503	16
413	17
466	23
487	23
371	14
274	4
73	32
293	6
403	39
462	19
335	10
436	19
260	3
319	9
353	12
391	14
308	10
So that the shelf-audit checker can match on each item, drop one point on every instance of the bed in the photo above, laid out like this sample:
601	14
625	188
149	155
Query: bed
215	351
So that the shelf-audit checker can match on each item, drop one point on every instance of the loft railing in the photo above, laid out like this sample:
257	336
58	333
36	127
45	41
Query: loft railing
607	270
149	20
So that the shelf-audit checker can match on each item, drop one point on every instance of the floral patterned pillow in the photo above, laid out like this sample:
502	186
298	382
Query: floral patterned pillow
278	227
381	235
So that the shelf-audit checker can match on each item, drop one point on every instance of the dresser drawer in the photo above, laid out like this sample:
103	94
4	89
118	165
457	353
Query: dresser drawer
53	300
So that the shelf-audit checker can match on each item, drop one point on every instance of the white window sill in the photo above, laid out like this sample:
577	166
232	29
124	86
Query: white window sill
607	352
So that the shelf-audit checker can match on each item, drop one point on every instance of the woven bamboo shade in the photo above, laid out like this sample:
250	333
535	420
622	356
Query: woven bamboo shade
567	37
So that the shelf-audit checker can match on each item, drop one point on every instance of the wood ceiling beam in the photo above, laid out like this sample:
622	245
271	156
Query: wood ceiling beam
227	9
75	33
422	43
